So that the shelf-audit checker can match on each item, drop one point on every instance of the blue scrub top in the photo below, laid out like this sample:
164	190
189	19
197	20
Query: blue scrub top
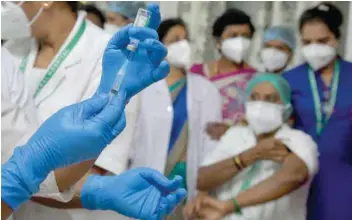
331	191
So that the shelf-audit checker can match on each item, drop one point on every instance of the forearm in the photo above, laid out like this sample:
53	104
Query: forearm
6	211
66	177
75	203
213	176
290	177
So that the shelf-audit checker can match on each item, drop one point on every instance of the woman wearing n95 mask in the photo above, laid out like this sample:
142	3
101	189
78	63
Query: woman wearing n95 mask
278	46
262	169
322	107
233	32
170	134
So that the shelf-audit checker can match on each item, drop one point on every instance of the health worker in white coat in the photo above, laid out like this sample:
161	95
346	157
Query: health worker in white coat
59	53
170	134
106	163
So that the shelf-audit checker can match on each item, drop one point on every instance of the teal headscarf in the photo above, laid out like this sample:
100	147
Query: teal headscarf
279	83
127	9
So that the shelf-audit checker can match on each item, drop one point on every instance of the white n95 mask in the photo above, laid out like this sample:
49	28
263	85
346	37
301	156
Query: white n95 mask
264	117
14	22
111	28
318	55
273	59
235	49
179	54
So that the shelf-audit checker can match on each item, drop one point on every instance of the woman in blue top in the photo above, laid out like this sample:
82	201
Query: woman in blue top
322	102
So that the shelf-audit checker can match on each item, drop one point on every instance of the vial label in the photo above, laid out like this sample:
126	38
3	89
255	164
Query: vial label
142	18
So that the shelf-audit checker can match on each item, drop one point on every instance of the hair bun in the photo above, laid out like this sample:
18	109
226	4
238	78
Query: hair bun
332	13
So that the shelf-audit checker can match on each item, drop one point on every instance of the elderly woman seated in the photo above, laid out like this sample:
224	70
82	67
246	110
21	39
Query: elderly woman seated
262	169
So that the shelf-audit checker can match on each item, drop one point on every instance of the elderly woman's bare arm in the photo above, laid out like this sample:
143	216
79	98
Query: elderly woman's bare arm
292	175
212	176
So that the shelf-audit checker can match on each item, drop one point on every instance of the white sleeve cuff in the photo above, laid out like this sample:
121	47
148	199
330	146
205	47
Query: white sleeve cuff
49	189
111	165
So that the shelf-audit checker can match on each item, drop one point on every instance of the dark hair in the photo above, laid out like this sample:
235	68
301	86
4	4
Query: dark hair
327	13
94	10
167	24
230	17
74	5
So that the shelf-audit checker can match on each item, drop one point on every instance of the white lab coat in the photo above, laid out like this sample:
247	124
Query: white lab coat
76	79
16	122
15	119
155	121
289	207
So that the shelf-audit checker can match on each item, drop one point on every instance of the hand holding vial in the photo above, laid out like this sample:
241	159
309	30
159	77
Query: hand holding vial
136	61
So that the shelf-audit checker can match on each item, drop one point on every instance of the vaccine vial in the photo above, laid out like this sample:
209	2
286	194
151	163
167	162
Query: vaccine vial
142	20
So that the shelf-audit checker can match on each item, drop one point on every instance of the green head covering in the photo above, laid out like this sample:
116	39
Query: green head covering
279	83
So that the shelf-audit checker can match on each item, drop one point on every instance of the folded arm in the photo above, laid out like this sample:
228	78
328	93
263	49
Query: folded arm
213	176
292	175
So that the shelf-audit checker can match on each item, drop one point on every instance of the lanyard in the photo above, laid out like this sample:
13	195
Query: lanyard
316	98
58	61
174	86
250	176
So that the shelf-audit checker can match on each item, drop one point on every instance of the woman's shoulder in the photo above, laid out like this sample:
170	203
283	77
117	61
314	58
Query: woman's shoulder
346	63
296	76
288	132
93	31
203	68
302	145
296	71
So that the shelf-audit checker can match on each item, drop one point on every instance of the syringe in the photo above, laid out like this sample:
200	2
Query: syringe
142	20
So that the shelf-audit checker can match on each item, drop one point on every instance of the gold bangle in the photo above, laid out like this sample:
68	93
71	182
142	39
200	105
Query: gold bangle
236	164
239	162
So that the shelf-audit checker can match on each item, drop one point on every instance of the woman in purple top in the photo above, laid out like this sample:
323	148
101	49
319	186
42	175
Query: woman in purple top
233	32
322	101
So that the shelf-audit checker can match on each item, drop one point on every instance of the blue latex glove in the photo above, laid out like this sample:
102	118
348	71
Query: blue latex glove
148	65
140	193
74	134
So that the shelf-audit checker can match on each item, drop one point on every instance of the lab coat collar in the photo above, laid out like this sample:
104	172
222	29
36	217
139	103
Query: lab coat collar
162	85
73	59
